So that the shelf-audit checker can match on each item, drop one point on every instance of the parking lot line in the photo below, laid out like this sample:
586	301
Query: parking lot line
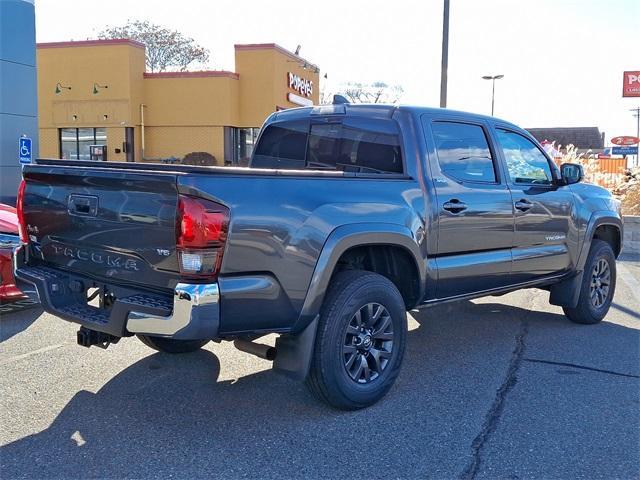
30	354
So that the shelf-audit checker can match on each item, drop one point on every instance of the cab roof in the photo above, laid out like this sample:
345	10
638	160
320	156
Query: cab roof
380	110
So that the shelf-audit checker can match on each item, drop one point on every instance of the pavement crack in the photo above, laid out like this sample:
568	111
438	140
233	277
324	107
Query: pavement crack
492	417
581	367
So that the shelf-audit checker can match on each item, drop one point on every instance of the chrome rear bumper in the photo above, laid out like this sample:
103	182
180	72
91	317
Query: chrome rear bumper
193	304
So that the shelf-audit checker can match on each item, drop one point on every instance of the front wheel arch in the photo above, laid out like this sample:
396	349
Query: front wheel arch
600	222
610	234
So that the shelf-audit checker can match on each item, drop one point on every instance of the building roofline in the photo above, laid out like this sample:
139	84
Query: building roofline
196	74
274	46
91	43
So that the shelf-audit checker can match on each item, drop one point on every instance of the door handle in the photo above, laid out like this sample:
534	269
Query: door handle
523	205
454	206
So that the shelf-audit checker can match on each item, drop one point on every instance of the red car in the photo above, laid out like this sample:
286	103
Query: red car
9	239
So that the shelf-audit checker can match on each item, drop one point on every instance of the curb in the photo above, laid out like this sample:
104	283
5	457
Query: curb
631	241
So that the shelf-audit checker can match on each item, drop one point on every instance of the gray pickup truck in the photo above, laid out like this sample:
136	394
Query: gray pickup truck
347	217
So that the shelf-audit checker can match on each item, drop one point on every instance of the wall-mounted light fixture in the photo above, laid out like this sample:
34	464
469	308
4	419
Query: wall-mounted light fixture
59	88
305	66
97	86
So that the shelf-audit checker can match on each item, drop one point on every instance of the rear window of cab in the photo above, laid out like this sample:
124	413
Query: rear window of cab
351	144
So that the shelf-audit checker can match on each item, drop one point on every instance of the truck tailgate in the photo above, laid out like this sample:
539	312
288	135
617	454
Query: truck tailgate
116	225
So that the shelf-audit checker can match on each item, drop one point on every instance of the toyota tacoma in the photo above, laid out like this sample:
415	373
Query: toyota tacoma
347	217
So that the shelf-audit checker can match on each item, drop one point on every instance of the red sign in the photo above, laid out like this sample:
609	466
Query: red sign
631	84
625	140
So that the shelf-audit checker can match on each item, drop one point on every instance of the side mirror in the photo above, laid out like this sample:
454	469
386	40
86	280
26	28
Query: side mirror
571	173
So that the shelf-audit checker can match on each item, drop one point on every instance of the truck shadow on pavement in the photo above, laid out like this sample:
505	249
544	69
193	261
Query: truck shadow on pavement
171	415
12	324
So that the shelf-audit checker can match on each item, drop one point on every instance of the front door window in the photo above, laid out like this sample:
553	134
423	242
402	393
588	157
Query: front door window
525	162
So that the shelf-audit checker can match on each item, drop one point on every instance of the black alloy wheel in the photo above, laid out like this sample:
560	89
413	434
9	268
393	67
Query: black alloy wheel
368	344
600	283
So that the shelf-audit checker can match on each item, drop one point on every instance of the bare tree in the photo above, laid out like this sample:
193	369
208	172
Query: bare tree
165	49
376	92
326	96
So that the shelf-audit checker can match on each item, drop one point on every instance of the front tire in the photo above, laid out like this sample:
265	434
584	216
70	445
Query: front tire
360	341
598	285
170	345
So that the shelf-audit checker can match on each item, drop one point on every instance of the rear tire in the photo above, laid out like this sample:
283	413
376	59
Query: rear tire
598	285
360	341
170	345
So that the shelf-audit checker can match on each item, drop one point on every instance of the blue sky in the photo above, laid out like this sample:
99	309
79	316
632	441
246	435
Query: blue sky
562	60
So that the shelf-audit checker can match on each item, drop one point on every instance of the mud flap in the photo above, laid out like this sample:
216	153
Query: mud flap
294	352
567	292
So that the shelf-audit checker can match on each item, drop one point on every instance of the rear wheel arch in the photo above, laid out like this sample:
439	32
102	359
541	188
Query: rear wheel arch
393	262
395	242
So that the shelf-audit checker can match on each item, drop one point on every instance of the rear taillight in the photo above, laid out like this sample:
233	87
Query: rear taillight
201	233
22	225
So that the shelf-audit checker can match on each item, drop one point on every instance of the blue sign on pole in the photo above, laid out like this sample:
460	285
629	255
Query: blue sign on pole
624	150
24	150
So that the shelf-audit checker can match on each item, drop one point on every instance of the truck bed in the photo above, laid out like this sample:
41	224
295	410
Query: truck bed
279	223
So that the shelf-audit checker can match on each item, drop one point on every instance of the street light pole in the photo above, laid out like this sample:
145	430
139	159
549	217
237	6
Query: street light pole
445	55
493	79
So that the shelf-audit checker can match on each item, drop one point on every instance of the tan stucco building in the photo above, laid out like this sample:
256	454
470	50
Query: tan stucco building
95	100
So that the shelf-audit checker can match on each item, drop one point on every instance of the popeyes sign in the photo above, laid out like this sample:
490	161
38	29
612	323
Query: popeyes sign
300	85
631	84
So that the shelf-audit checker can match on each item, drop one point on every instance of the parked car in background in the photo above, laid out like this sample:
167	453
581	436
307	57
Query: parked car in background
9	240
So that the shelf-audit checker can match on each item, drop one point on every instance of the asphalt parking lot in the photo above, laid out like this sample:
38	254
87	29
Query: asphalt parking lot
500	387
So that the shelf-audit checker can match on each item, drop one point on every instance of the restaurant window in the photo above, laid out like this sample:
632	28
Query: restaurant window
77	143
239	144
247	138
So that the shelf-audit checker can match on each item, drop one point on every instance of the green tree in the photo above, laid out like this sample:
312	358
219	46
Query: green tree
166	49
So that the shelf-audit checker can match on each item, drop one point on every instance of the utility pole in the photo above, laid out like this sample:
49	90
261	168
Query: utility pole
445	55
637	115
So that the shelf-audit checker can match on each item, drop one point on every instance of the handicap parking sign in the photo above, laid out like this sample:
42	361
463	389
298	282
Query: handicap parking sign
24	150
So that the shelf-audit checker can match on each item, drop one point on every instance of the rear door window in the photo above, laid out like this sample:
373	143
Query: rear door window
463	152
370	146
324	145
355	144
282	145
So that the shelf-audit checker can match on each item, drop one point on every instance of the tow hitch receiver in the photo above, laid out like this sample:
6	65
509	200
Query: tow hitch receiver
88	337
